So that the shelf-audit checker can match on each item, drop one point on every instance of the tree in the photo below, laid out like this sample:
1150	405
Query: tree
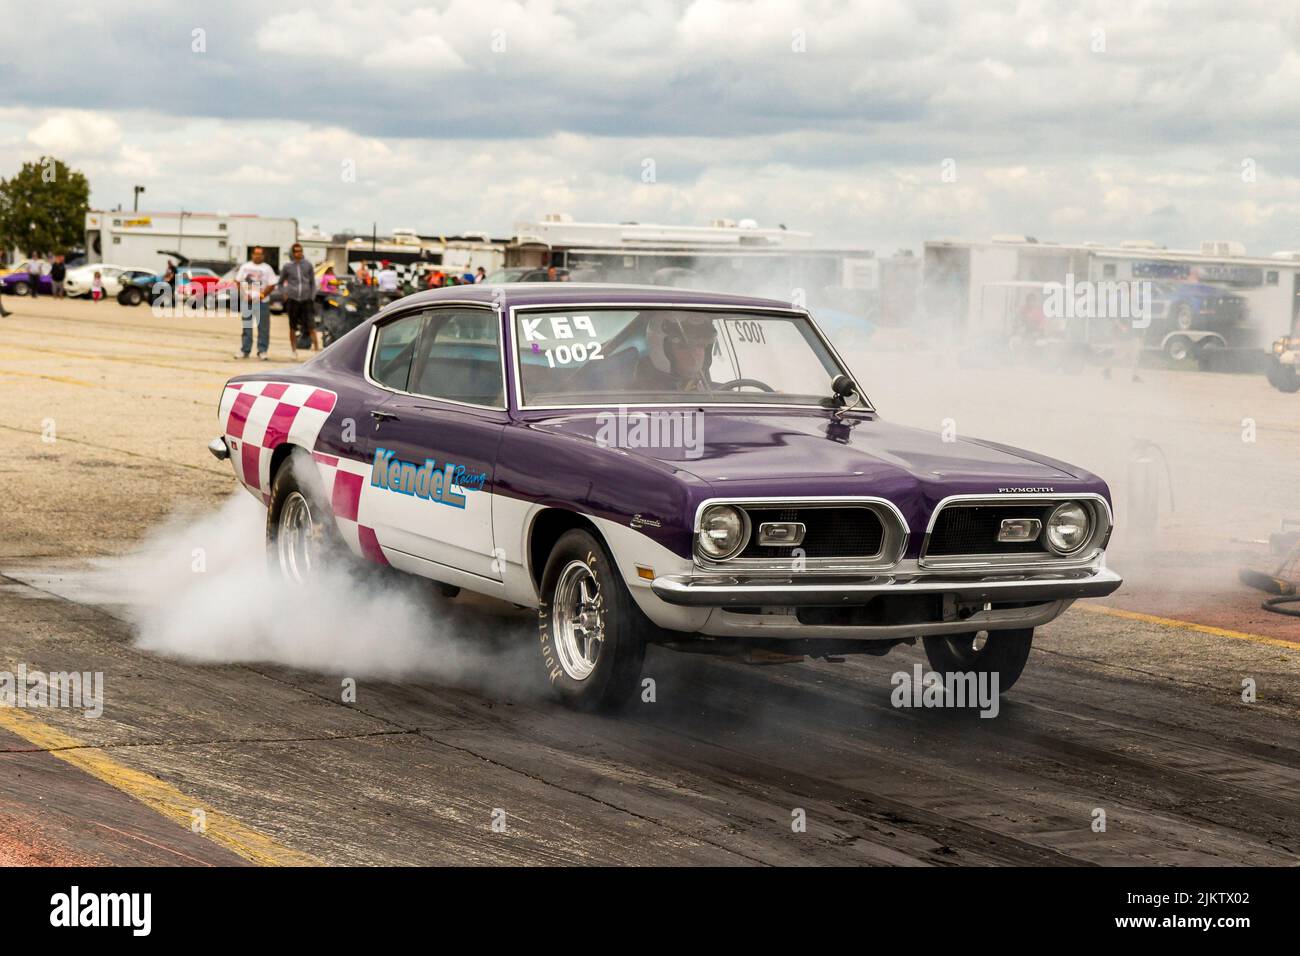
43	207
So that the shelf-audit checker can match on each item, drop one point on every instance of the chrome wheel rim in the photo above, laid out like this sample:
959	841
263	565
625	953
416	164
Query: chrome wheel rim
578	620
296	538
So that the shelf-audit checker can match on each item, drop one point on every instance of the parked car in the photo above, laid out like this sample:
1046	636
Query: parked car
1191	319
189	280
20	280
692	469
79	279
526	274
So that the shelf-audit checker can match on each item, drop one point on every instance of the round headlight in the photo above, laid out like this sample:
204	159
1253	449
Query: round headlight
1068	527
723	530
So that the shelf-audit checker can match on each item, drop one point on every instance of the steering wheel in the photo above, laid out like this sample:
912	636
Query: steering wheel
742	382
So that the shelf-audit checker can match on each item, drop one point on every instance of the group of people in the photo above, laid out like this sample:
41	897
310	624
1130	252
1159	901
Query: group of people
37	268
297	280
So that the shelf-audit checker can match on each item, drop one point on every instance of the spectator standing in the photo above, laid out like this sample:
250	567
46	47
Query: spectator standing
58	273
35	269
97	287
298	280
387	280
256	279
481	275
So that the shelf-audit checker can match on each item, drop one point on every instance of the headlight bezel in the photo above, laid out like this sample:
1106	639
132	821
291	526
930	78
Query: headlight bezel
1089	524
742	538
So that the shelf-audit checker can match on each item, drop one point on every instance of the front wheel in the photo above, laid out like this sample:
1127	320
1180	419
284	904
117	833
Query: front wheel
1003	653
1283	377
20	288
592	634
1178	348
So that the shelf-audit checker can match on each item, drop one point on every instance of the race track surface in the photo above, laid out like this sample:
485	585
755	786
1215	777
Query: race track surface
1134	709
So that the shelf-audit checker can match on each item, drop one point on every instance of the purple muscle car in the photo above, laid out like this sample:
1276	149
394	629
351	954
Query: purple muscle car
22	280
655	465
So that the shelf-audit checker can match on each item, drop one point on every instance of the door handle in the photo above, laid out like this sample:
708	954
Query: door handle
382	416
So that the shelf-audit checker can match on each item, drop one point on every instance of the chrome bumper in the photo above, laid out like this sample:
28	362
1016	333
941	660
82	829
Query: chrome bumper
741	591
219	449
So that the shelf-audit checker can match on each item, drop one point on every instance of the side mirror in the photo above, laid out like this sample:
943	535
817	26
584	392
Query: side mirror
847	392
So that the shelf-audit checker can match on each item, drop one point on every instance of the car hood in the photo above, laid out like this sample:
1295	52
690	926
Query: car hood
763	453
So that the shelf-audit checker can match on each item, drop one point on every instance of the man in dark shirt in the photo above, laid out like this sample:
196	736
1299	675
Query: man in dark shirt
298	281
58	272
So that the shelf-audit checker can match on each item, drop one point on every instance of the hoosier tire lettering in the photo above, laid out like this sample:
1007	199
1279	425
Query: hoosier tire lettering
591	633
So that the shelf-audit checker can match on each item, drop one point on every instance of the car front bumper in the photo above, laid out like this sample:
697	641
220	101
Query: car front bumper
723	591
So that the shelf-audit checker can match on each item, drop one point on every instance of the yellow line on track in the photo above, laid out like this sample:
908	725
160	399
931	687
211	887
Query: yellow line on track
1189	626
154	793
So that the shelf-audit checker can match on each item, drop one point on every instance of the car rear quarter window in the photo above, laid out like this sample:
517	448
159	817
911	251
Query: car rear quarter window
390	364
459	358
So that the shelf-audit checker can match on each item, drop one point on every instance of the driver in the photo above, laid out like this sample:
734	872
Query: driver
680	346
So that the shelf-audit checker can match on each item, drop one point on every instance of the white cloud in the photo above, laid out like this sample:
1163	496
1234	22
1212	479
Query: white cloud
1050	137
77	133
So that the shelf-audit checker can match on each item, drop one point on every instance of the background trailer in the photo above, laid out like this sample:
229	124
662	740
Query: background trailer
1213	299
134	239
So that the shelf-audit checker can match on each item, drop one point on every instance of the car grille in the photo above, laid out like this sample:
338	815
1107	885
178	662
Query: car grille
829	532
973	529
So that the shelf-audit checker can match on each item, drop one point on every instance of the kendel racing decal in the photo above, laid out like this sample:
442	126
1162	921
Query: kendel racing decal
445	485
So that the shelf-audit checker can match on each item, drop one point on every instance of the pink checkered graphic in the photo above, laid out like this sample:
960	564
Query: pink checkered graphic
258	417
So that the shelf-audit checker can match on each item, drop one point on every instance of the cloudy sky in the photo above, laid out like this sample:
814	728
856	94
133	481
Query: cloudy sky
872	122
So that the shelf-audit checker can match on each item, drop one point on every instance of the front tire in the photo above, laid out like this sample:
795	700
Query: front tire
1178	348
20	288
1284	377
1003	653
592	634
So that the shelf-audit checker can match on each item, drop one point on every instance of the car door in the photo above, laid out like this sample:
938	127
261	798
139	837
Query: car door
435	438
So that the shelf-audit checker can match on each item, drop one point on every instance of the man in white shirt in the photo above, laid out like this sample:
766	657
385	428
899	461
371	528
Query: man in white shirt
256	279
387	282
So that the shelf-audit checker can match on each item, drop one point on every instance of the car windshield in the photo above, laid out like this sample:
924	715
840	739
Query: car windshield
579	357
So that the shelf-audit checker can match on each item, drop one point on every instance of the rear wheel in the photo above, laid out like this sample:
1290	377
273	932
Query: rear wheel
301	537
20	288
1003	653
592	634
1205	353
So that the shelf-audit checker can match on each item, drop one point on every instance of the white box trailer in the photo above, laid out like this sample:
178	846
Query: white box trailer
1193	291
147	240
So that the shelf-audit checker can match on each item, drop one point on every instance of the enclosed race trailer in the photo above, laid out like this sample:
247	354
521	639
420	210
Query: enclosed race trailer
147	240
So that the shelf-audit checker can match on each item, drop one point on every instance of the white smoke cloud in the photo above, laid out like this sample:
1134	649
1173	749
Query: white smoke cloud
199	589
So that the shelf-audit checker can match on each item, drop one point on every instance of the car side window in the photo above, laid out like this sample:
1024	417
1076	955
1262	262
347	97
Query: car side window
395	342
459	358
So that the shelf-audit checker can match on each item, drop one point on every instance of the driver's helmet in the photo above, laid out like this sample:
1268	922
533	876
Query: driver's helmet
667	328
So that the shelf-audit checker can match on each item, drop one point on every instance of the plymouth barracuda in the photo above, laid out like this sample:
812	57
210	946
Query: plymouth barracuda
654	465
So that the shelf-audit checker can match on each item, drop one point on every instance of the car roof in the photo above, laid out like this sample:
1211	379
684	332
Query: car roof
520	294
